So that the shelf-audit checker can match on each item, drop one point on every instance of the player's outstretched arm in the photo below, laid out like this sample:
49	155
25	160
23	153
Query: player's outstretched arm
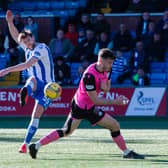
19	67
13	30
121	100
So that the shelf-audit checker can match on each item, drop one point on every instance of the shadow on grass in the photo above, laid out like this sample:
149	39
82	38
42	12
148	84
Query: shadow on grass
152	156
108	140
159	161
13	139
80	140
108	157
90	157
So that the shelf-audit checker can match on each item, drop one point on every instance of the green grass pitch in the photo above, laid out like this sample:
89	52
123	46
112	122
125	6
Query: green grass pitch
86	148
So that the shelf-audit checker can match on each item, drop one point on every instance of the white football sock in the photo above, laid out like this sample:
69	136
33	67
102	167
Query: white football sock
38	145
125	152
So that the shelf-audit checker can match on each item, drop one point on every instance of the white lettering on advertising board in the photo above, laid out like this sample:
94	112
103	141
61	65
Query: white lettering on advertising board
7	108
8	96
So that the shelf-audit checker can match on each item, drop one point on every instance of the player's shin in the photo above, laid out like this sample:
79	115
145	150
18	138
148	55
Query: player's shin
119	140
52	136
31	130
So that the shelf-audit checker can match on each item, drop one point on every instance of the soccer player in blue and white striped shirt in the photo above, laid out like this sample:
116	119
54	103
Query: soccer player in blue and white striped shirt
40	68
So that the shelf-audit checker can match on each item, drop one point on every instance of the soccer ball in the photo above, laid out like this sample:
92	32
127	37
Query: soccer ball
52	90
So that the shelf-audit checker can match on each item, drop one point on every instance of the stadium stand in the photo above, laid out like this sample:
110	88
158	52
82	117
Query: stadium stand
51	6
66	11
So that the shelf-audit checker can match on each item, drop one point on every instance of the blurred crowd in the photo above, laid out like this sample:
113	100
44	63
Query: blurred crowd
82	41
122	6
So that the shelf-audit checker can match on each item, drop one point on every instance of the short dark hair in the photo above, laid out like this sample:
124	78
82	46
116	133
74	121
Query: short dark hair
106	53
24	34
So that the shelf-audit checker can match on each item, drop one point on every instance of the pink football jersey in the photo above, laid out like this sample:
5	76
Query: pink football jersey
90	81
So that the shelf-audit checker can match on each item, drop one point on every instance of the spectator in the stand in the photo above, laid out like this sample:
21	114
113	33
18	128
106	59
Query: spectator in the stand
85	63
139	58
103	42
138	66
164	36
11	45
148	36
143	25
123	40
101	25
4	56
81	35
79	75
119	67
85	22
155	49
62	72
71	34
80	71
161	23
32	26
2	40
18	22
135	6
85	49
61	46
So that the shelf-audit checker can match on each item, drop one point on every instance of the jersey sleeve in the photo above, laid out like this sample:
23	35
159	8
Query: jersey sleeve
37	52
89	82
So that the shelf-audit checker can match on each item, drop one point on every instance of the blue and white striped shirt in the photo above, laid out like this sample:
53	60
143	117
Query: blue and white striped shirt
43	69
119	66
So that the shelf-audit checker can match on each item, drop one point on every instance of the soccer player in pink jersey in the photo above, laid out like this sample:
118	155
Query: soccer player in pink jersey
95	79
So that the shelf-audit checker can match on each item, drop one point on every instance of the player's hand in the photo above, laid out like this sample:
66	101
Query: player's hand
104	86
121	100
3	72
9	16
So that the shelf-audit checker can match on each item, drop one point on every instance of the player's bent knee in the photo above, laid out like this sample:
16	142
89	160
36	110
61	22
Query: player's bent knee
60	133
115	133
68	133
116	129
116	126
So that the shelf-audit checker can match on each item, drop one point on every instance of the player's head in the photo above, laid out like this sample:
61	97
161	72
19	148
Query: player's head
106	59
27	39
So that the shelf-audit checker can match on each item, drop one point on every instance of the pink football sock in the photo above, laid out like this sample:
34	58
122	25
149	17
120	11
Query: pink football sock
52	136
119	140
